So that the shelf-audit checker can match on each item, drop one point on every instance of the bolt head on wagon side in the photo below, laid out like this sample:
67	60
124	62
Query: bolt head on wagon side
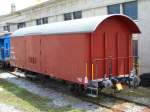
93	52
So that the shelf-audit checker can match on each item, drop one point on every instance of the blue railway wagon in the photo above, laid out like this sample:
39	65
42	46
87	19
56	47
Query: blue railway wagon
4	48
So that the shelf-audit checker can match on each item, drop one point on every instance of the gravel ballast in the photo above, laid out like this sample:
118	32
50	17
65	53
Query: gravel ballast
60	99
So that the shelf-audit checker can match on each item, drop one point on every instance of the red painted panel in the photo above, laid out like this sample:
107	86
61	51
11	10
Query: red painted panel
111	49
18	52
33	57
65	56
123	56
60	56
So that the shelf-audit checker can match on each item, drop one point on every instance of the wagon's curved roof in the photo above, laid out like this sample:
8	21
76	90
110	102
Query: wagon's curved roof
85	25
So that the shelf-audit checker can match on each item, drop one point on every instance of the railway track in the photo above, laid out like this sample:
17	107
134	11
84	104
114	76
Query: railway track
112	97
96	101
130	101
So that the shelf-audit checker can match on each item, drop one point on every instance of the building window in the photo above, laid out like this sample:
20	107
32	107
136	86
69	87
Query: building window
113	9
7	28
130	9
135	48
77	15
45	20
73	15
67	16
21	25
42	21
38	22
135	54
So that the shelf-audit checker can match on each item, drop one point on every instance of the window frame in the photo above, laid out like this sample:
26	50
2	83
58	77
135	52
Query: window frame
72	15
110	7
77	15
38	21
130	14
41	21
67	16
21	25
135	45
45	20
6	28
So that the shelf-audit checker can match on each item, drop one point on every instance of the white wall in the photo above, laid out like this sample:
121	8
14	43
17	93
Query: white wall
13	28
55	9
144	38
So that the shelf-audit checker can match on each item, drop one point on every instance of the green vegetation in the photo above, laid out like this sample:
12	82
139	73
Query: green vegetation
138	92
26	101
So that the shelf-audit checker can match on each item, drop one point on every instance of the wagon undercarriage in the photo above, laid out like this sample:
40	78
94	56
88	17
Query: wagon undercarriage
117	83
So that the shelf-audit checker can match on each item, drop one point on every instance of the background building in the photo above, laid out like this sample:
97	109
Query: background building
63	10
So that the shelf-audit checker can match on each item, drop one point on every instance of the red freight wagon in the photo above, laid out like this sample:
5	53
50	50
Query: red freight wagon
95	51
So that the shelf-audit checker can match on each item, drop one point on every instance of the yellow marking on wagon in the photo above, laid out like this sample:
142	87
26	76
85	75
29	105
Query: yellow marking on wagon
119	86
92	71
86	69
